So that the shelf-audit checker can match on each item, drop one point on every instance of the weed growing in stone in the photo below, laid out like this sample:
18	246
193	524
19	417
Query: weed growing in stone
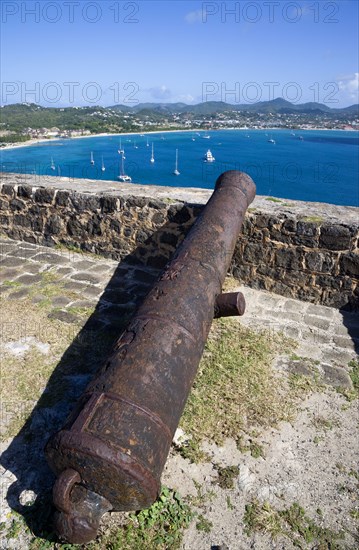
273	199
312	219
203	524
226	476
354	374
292	523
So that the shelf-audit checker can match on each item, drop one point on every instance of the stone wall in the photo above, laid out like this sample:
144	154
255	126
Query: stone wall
303	250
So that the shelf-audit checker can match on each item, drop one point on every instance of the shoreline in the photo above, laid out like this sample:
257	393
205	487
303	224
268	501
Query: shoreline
31	142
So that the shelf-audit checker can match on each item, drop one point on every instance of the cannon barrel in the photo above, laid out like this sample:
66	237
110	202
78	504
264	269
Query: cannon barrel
111	452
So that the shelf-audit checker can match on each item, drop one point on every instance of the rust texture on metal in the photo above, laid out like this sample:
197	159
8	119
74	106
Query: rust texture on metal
115	444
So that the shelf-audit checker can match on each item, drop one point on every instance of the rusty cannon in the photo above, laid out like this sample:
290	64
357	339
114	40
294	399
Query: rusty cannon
112	450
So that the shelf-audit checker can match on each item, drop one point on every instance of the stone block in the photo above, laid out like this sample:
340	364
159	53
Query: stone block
289	225
29	279
328	281
7	189
314	261
157	204
320	311
158	218
93	226
115	225
307	229
64	316
54	225
265	220
317	322
143	215
290	258
242	272
344	342
281	288
110	204
336	299
253	253
22	220
335	237
142	236
89	278
336	376
44	195
4	204
19	294
297	278
128	232
139	202
267	271
37	224
10	261
349	264
308	294
75	227
24	191
62	198
82	202
178	214
16	205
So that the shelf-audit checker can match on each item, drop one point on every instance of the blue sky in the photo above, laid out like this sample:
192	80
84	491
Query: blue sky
106	52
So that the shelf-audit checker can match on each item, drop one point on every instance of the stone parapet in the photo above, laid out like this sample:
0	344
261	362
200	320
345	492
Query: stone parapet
297	249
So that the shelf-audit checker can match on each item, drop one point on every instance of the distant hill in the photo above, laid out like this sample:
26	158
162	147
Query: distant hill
278	105
20	116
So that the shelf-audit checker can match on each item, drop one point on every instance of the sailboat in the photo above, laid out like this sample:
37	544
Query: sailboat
53	167
208	157
120	150
152	159
92	160
135	146
176	172
103	166
123	176
147	144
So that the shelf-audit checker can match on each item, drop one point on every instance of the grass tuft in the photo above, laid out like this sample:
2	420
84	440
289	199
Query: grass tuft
354	374
272	199
235	388
226	476
292	523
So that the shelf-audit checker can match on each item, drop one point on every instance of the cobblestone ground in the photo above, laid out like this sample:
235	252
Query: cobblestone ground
68	285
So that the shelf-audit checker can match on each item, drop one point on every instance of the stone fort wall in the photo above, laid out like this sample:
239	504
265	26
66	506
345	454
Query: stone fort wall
301	250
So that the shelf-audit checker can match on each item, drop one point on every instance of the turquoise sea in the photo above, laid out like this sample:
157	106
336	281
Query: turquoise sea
312	165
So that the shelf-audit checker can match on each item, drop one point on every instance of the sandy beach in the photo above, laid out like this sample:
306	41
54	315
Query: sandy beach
43	140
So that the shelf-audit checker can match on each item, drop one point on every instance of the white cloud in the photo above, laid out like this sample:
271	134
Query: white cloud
186	98
160	92
194	17
350	85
